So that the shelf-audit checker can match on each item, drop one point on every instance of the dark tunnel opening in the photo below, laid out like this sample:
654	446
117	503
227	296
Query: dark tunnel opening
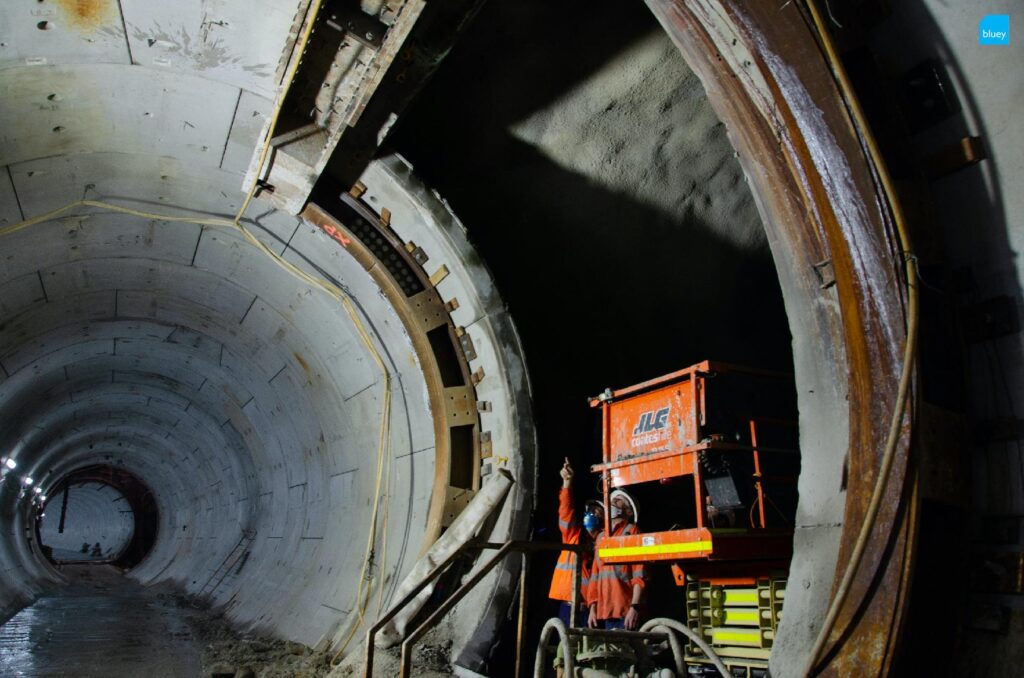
108	510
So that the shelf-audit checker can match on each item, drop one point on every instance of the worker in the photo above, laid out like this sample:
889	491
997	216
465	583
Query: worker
561	580
615	592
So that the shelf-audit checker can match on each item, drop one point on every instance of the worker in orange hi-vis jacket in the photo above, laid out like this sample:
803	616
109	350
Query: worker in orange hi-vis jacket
572	532
615	592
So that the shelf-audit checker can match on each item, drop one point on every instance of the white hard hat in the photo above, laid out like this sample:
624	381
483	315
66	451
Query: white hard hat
629	500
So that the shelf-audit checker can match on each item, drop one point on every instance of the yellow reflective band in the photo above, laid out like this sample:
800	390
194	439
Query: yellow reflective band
737	636
731	616
734	597
685	547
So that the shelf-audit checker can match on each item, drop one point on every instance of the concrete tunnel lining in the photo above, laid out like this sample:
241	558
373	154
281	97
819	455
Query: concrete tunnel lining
243	372
180	352
171	391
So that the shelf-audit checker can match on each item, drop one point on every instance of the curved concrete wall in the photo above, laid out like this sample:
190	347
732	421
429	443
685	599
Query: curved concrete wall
244	398
247	398
95	514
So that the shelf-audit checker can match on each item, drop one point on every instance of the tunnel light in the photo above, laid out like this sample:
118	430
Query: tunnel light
42	497
28	480
10	463
38	490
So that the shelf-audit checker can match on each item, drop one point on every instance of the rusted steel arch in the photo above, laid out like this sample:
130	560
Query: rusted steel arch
839	264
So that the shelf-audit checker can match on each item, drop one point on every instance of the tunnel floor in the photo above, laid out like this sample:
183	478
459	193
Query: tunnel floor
105	624
100	624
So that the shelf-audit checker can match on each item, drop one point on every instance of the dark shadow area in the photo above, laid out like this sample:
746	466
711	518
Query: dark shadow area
606	289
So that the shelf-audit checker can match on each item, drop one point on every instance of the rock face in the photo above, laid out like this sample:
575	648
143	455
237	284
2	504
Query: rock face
642	125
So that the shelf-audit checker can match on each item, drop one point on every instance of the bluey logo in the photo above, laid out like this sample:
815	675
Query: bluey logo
652	421
994	30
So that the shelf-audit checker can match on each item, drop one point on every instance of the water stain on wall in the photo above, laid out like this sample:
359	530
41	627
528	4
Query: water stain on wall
88	16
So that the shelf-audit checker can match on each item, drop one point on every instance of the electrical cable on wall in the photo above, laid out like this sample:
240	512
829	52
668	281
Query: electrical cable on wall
899	409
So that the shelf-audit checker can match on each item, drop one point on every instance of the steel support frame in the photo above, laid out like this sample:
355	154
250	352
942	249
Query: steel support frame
769	82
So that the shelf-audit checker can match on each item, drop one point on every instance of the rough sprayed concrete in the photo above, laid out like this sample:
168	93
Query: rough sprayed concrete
642	125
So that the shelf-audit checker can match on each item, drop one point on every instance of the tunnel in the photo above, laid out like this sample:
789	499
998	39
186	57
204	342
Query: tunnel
112	518
287	289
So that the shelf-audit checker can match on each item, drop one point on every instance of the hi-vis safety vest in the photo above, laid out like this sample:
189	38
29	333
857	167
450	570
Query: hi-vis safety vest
611	586
561	580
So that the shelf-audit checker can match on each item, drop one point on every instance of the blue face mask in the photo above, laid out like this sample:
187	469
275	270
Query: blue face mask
590	521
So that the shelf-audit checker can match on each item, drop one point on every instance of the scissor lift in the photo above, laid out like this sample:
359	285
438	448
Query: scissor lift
706	439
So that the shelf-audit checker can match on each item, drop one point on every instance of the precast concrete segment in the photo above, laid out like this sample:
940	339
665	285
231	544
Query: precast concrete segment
94	514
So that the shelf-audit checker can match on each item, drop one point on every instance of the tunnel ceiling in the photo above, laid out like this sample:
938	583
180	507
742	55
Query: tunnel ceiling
272	414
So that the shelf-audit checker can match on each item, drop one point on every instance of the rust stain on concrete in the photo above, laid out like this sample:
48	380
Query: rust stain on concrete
87	15
303	363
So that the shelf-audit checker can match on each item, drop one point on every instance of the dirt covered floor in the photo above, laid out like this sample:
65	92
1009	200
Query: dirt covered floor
105	624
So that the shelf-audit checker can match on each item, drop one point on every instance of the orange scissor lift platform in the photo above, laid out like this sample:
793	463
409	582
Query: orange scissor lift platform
659	430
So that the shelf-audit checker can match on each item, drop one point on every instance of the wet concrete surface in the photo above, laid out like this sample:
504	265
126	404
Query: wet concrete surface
101	624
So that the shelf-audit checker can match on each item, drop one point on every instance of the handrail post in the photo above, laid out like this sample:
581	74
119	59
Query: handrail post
521	627
525	547
447	605
397	607
757	472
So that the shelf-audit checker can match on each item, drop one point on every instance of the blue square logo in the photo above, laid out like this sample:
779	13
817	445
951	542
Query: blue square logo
994	30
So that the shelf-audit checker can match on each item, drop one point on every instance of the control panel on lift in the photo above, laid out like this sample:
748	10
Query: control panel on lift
714	447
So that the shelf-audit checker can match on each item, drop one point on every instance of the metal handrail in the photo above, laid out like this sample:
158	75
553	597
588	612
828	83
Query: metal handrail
524	547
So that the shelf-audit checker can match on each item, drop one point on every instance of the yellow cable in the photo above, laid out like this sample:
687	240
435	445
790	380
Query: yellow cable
892	440
384	532
362	602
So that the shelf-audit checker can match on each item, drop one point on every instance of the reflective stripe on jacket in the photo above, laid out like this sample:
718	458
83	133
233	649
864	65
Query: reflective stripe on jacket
611	586
561	580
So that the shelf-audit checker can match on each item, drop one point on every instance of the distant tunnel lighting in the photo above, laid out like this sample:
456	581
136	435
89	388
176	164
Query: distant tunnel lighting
28	480
39	490
10	463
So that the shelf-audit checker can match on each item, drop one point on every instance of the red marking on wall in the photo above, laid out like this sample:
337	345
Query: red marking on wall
336	234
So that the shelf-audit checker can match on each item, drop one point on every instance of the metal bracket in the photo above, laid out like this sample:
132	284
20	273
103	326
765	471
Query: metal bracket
826	274
466	342
357	24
